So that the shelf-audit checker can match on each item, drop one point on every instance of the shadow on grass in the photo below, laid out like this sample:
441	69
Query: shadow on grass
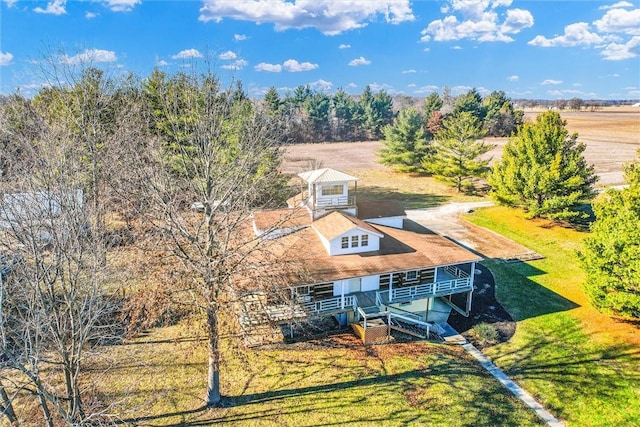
563	360
490	405
523	297
407	199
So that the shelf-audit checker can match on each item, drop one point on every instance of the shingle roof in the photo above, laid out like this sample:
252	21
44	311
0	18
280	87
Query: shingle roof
326	175
400	250
281	218
337	223
371	209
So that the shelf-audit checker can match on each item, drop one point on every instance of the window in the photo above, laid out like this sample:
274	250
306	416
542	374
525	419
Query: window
332	190
364	240
354	241
411	275
345	243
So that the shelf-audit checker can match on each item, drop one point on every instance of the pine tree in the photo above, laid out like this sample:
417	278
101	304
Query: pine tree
543	170
457	151
405	142
611	255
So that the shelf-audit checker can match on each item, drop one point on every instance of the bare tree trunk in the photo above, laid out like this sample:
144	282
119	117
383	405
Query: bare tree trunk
213	375
7	406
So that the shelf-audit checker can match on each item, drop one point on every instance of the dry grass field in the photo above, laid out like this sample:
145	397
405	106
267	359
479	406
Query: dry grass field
612	136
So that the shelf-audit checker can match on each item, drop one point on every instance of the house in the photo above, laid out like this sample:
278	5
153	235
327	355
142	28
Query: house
362	262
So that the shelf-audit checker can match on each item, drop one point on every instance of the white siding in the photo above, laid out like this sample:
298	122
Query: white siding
335	247
393	221
370	283
367	283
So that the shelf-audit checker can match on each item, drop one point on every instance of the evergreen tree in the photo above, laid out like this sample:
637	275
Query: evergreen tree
501	118
431	103
457	151
273	104
470	102
544	171
611	255
405	142
346	114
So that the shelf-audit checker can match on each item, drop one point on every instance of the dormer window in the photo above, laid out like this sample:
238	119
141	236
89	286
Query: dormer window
345	243
354	241
332	190
364	240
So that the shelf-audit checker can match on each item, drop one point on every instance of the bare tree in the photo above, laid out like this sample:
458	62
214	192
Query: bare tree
55	308
216	160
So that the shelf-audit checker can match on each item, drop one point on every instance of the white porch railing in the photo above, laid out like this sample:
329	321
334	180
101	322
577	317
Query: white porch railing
348	302
455	271
329	201
425	290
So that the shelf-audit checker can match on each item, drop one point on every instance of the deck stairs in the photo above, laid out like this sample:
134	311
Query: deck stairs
409	328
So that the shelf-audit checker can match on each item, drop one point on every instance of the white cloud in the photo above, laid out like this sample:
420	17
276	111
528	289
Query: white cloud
239	37
577	34
617	5
426	89
620	21
359	61
477	20
294	66
328	16
513	78
272	68
161	63
517	19
238	64
121	5
352	85
411	85
187	54
457	47
89	56
377	87
620	51
409	71
551	82
55	7
5	59
90	15
616	34
10	3
344	46
227	55
321	85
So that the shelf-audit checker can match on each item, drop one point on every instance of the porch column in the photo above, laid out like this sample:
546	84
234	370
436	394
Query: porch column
473	274
342	294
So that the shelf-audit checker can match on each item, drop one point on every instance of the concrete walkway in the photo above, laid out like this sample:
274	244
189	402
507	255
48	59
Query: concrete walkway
452	336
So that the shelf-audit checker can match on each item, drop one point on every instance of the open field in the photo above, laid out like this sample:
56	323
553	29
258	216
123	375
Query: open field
612	136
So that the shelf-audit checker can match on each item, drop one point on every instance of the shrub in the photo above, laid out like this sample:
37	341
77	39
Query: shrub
484	334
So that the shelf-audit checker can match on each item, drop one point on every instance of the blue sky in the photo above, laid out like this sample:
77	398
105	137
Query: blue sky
530	49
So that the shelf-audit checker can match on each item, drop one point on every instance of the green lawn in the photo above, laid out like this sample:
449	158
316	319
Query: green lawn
414	191
336	382
584	366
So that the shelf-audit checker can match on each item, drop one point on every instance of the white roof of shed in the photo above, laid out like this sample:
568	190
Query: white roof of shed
326	175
